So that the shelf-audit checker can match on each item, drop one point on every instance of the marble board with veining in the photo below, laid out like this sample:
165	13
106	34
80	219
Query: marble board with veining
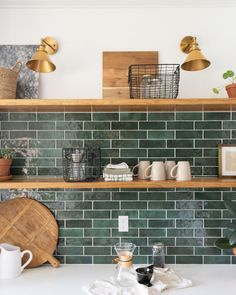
28	80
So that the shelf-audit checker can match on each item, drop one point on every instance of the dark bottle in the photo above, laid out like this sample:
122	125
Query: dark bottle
158	255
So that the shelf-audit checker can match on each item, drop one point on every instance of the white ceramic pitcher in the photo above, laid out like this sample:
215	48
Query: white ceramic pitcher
10	261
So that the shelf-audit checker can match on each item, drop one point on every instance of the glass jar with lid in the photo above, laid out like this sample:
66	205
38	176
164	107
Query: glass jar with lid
158	255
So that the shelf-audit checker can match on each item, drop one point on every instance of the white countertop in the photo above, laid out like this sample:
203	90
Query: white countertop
69	279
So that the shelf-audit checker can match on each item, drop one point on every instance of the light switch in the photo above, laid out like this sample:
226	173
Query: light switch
123	223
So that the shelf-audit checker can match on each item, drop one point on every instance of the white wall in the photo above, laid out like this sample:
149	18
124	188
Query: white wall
84	33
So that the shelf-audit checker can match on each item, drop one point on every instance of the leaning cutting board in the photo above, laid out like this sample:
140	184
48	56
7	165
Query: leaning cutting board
29	224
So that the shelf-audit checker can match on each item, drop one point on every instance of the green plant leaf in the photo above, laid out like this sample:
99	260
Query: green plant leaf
230	206
225	75
216	90
232	238
230	73
223	243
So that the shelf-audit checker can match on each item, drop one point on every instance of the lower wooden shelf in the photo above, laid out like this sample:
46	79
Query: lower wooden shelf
55	183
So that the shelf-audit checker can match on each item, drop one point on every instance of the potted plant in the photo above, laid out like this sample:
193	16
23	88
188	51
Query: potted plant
5	161
230	88
229	242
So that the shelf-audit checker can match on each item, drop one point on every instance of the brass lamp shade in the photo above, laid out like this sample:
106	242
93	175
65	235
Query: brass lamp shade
195	60
40	61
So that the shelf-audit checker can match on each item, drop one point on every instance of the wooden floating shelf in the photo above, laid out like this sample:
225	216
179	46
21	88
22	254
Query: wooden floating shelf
55	183
108	105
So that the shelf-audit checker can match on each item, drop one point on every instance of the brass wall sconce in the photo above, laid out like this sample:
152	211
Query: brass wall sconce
40	61
195	60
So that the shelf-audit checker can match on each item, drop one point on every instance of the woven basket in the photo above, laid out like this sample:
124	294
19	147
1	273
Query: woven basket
8	81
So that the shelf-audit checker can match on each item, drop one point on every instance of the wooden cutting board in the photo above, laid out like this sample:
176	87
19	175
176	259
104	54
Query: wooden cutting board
115	70
29	224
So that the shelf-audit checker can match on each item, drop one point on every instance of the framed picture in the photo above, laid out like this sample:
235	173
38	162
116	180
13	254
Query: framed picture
227	160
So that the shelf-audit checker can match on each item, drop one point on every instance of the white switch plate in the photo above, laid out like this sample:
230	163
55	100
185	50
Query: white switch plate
123	223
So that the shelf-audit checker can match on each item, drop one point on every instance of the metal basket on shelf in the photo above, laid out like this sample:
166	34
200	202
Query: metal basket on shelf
154	80
81	164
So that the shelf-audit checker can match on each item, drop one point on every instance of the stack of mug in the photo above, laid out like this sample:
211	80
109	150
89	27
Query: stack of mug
159	170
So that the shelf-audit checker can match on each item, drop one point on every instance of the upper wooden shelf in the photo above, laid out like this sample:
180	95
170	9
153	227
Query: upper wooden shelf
108	105
55	183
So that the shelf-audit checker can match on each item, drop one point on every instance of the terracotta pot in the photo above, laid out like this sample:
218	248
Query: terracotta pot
234	251
5	165
231	90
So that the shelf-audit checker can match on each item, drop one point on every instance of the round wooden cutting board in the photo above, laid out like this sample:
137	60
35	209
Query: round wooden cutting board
29	224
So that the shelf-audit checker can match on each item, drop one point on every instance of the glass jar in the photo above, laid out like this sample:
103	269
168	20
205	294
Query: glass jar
158	255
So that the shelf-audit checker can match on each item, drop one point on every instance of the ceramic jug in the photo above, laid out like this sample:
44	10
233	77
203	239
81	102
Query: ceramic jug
10	261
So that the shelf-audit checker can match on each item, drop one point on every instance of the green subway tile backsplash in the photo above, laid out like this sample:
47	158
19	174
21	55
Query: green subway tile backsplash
124	125
188	221
152	125
41	126
105	117
132	116
78	116
48	134
161	116
49	117
217	116
188	134
133	134
208	125
179	125
13	125
23	134
217	134
189	116
19	116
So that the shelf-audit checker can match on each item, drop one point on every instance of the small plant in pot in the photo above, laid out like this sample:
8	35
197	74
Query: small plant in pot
230	88
6	156
229	242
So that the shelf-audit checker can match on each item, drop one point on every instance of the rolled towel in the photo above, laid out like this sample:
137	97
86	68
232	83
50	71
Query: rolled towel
117	166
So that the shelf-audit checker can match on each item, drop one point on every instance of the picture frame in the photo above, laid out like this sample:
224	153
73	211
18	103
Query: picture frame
227	160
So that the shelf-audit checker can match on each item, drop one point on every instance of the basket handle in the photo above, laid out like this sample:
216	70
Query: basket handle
17	67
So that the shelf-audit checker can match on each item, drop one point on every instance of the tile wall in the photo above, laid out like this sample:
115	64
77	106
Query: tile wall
188	221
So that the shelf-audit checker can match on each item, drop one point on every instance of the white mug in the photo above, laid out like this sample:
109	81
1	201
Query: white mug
157	172
141	169
168	166
10	261
183	171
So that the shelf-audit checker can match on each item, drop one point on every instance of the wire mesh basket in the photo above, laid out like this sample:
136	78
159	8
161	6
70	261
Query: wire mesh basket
81	164
154	80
